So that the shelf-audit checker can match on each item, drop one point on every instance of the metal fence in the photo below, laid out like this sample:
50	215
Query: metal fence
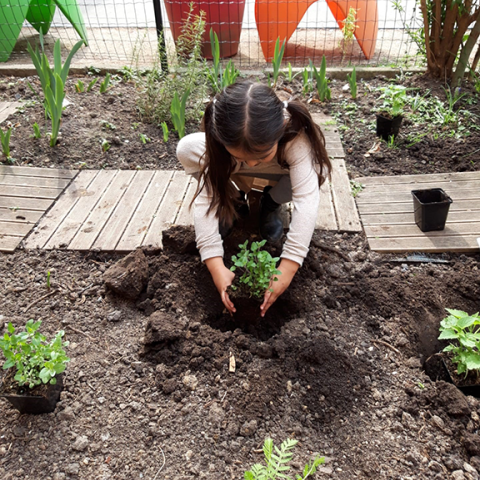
124	32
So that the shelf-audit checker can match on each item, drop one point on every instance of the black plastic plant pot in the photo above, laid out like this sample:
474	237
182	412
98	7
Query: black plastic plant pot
37	404
431	208
386	127
473	390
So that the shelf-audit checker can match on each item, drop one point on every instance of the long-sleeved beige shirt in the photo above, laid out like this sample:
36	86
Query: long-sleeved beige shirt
305	195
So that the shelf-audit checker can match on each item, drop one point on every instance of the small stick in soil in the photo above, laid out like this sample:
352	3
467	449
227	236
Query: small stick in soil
161	468
387	345
53	292
322	246
80	332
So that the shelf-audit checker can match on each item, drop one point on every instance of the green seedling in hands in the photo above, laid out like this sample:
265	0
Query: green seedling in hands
464	329
324	92
35	359
105	84
352	82
258	269
105	145
277	60
5	140
277	459
144	139
36	131
177	109
165	131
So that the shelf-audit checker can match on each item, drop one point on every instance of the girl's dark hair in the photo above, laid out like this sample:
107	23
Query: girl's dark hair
250	117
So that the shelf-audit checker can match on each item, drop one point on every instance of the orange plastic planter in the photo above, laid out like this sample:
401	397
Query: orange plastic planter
225	17
280	18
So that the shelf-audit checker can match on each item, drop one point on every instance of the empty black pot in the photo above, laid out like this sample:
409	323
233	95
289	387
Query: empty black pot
431	208
386	127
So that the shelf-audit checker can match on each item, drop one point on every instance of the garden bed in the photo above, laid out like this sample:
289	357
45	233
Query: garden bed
336	365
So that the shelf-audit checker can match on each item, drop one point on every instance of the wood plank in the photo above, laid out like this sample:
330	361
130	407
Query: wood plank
24	181
7	109
345	208
60	210
471	194
326	213
425	244
15	229
37	172
145	213
185	214
451	229
30	192
423	178
20	215
82	208
168	209
99	216
407	207
125	208
3	106
408	187
8	243
408	218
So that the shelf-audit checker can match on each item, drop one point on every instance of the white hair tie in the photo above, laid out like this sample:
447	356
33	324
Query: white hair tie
285	104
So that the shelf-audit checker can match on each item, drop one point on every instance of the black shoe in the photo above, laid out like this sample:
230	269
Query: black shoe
271	223
243	210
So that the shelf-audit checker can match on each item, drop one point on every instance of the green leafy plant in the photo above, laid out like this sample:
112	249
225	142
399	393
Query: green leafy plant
53	81
352	82
324	92
91	84
465	330
308	77
80	87
5	140
356	187
106	125
144	139
177	108
394	99
48	280
219	79
277	60
165	131
35	359
105	145
105	83
348	30
258	268
36	130
277	460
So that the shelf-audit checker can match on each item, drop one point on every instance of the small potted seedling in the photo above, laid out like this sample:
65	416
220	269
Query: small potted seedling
33	379
430	208
257	268
389	117
462	356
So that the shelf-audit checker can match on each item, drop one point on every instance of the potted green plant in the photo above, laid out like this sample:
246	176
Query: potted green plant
33	381
462	356
389	116
257	269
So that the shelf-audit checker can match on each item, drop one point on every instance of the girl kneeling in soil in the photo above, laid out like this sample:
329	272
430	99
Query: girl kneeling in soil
250	132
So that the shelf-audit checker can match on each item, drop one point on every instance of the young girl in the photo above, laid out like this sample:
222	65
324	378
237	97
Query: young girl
250	132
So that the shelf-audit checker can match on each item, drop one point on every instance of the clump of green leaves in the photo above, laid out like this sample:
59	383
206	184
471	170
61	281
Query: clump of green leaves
352	82
80	87
277	60
106	125
53	81
465	330
394	99
177	109
35	359
144	138
165	130
356	187
277	460
258	268
91	84
36	130
324	92
308	77
219	79
348	30
105	83
105	145
5	140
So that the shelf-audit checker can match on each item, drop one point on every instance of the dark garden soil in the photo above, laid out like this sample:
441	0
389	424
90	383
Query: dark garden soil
336	363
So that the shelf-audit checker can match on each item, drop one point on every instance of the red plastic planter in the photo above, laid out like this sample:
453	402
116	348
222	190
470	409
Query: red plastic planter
225	17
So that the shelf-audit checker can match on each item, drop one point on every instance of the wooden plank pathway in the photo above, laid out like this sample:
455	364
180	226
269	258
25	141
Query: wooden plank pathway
7	108
26	193
386	211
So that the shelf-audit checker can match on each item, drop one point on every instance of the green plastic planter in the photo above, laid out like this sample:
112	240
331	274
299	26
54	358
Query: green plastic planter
39	13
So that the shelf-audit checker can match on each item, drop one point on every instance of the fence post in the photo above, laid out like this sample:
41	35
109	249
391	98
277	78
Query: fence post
162	49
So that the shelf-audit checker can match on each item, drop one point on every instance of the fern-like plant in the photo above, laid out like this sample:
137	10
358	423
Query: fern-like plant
277	460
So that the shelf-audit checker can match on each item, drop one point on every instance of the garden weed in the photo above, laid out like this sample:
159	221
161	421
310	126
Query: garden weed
36	130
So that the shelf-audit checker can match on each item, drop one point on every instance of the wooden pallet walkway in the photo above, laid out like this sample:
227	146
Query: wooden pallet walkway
7	108
386	211
26	193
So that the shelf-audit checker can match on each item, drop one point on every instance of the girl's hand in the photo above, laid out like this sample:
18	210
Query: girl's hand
289	269
222	278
